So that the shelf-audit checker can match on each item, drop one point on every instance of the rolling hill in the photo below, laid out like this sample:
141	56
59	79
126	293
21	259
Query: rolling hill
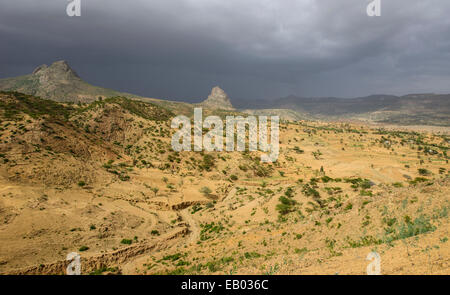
59	82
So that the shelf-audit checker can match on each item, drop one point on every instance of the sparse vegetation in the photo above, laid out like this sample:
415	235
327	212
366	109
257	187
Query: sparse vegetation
335	187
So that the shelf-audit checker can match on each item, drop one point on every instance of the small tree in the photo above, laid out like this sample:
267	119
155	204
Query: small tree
423	171
155	190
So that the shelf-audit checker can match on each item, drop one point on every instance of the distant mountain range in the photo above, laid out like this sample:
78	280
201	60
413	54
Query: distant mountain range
60	82
412	109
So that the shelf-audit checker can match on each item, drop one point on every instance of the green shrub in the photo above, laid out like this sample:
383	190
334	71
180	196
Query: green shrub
126	241
423	171
173	257
83	248
286	205
208	229
250	255
207	162
233	177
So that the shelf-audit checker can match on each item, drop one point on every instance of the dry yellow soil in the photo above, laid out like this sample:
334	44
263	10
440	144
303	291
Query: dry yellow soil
105	183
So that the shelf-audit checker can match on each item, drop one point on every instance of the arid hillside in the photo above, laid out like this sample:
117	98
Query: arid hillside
102	180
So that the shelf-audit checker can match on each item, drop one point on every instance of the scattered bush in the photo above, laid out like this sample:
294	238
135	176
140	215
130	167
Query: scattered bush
126	242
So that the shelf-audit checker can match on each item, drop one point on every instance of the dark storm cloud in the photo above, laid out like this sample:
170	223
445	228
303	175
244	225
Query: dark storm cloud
179	49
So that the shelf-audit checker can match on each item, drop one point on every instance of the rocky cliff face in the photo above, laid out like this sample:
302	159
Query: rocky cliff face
218	99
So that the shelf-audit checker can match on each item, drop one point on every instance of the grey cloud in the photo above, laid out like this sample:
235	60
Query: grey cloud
179	49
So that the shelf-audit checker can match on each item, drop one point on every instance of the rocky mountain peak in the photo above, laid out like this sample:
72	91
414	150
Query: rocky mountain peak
39	68
59	82
59	70
218	99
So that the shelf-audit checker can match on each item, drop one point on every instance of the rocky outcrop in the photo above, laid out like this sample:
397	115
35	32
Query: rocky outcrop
58	71
218	99
57	82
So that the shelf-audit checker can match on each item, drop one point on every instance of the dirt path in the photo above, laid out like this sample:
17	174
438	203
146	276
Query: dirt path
192	225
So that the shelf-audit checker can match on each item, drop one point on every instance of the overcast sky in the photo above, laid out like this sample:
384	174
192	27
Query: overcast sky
253	49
